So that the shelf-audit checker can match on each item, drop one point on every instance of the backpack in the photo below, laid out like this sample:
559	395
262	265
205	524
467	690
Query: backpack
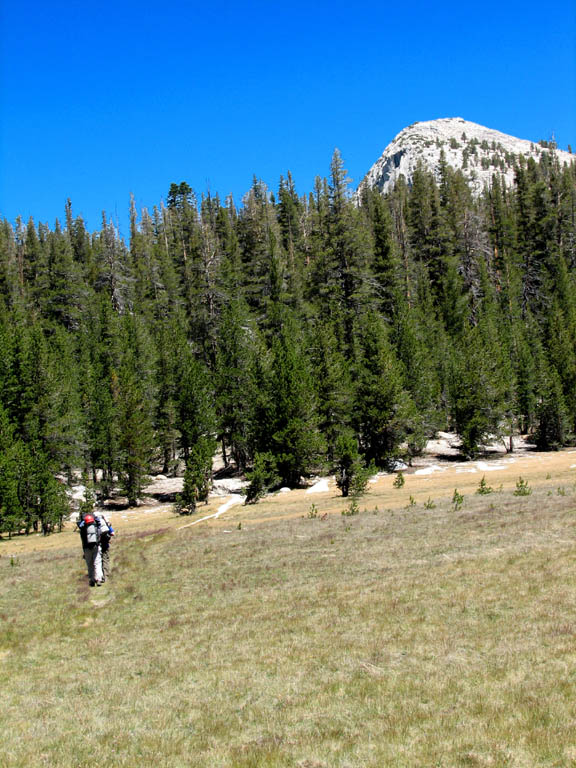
104	527
91	527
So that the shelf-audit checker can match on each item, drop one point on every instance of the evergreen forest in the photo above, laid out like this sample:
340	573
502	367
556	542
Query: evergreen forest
295	334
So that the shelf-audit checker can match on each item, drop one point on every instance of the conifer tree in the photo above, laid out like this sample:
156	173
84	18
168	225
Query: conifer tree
386	264
292	437
351	474
384	412
198	475
9	268
411	341
237	339
260	243
63	294
348	249
332	383
552	420
562	355
134	434
195	402
170	339
429	239
100	362
479	386
291	217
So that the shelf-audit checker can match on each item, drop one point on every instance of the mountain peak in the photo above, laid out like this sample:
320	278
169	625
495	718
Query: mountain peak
478	152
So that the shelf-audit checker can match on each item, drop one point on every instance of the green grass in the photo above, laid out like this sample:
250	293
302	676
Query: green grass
413	637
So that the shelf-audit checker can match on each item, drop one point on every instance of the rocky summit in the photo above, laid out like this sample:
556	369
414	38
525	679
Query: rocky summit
478	152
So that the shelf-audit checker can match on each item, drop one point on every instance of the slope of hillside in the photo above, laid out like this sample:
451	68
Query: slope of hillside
477	151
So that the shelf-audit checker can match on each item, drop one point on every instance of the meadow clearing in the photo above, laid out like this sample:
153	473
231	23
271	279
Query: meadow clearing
418	632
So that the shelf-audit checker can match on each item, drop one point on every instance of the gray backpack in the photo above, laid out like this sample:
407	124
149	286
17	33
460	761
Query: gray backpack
92	532
103	525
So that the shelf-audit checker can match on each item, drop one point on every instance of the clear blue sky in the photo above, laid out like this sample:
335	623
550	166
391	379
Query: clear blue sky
101	100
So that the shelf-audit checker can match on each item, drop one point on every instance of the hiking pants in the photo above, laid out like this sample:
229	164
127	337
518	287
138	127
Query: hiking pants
106	561
93	557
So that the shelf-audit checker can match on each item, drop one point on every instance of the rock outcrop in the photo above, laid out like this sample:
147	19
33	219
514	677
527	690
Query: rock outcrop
477	151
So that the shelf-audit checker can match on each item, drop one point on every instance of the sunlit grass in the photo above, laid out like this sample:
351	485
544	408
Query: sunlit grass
398	637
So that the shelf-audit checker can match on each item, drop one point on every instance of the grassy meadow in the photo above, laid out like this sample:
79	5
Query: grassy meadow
286	634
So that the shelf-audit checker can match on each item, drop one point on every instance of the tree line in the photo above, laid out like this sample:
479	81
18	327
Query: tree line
295	333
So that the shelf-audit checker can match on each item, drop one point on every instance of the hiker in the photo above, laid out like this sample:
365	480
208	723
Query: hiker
106	533
89	529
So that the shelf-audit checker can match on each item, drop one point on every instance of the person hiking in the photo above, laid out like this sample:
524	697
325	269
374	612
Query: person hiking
106	533
89	528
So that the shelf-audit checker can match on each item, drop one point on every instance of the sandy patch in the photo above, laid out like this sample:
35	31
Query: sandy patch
430	470
483	466
321	486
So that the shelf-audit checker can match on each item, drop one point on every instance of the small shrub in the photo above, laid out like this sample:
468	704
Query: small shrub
411	503
399	480
429	504
483	488
312	512
352	509
522	488
457	500
561	491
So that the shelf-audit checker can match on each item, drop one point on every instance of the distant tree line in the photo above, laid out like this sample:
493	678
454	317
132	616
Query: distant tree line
295	333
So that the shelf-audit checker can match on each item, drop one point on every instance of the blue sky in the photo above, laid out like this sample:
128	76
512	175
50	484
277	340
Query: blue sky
103	100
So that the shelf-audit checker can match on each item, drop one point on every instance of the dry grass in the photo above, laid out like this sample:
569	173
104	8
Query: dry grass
398	637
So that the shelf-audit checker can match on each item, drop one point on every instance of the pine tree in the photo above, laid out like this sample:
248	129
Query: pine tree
479	386
552	420
561	338
429	237
170	338
135	437
9	265
198	475
351	474
411	334
332	383
292	437
100	359
263	262
195	403
237	340
291	220
339	254
384	414
111	266
386	264
135	397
